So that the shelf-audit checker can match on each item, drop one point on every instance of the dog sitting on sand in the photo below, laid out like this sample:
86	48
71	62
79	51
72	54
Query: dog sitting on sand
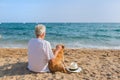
58	63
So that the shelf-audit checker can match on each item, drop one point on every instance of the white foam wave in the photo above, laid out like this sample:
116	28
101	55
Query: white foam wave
95	47
67	45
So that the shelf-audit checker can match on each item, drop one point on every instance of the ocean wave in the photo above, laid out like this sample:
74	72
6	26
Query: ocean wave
117	30
103	47
71	46
0	36
102	30
102	35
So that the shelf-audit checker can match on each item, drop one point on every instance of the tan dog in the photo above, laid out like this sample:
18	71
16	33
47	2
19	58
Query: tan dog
58	63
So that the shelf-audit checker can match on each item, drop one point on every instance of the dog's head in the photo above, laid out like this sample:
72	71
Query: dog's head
60	46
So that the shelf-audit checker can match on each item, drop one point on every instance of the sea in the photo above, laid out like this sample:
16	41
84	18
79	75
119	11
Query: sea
72	35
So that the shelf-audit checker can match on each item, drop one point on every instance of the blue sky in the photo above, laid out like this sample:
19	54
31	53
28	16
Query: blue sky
59	10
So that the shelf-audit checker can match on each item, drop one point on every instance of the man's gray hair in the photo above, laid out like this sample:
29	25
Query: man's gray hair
39	29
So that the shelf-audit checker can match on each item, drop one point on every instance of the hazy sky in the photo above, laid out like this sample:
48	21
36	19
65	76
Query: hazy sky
59	10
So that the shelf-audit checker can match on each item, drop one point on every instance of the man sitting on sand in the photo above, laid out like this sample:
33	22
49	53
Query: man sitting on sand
39	51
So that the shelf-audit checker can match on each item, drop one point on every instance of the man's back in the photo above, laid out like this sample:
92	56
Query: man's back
39	53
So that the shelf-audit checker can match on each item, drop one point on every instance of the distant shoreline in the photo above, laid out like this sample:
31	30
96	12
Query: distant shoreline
65	48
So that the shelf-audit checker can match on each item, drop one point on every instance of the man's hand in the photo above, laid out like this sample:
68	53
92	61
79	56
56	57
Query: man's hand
57	50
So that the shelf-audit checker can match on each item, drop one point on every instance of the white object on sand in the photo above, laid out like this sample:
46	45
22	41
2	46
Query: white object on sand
74	67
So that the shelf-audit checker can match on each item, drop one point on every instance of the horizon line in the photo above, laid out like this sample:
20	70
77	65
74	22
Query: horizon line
59	22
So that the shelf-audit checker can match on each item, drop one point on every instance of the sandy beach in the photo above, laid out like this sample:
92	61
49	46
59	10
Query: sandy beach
96	64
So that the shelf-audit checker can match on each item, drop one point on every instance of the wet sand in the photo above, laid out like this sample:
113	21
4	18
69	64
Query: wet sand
96	64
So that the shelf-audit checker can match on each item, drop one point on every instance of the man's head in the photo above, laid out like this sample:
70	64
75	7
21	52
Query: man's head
40	31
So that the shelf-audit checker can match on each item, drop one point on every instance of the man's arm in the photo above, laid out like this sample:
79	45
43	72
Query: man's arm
55	54
49	51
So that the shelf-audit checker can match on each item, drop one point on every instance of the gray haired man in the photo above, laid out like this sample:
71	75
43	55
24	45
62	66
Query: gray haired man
39	51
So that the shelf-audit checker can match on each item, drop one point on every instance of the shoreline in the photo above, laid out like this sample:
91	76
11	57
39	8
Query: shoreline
96	64
65	48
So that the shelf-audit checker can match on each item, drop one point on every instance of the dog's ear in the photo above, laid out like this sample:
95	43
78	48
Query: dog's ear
63	46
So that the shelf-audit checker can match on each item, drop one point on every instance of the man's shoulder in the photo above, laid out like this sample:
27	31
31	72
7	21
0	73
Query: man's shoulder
47	42
39	40
32	39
